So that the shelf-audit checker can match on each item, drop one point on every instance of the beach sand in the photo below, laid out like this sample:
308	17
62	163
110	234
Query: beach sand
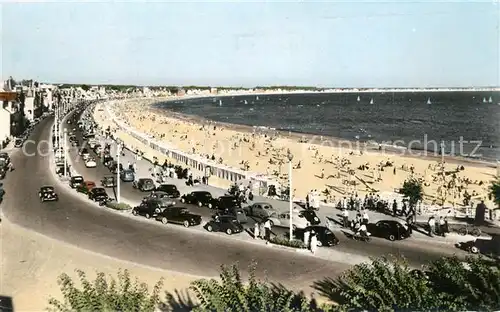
30	264
335	168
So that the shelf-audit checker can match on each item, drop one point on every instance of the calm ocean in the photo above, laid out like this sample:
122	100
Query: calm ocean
380	117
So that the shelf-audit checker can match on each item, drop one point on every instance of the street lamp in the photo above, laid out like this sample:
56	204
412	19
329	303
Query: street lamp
290	192
118	152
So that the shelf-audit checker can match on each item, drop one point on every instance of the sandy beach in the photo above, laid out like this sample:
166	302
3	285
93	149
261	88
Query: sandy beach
334	168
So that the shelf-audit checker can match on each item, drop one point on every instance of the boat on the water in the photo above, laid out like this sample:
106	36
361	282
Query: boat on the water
484	100
429	101
371	101
359	99
490	100
220	102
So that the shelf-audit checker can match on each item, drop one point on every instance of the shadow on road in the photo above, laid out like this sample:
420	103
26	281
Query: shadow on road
177	302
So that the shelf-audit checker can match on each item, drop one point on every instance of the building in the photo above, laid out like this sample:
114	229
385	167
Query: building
8	100
213	90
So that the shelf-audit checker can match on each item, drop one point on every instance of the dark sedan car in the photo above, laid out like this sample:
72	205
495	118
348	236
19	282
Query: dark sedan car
47	193
169	189
149	208
108	181
98	194
324	235
389	229
227	224
144	185
227	202
76	181
179	215
487	247
310	216
200	198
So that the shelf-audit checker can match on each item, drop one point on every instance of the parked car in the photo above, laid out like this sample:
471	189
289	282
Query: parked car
165	197
237	212
227	224
200	198
84	152
170	189
144	185
47	193
149	208
76	181
106	160
324	235
260	210
310	216
283	220
127	175
85	187
108	181
487	247
90	163
4	157
389	229
98	194
226	202
179	215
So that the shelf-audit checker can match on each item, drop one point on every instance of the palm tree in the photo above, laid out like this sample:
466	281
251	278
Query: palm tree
413	189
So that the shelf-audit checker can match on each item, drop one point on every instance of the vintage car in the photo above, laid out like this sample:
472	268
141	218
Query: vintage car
389	229
283	220
127	175
90	163
47	193
98	194
170	189
260	210
325	237
227	224
200	198
76	181
85	187
179	215
149	208
108	181
164	197
144	185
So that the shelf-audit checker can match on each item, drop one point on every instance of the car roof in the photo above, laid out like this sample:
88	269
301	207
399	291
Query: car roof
47	187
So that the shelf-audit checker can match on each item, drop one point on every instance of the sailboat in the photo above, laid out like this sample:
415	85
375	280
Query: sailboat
484	100
359	99
490	100
220	102
371	101
246	102
257	97
429	101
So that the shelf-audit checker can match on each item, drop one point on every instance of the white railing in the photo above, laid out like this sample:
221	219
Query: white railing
194	161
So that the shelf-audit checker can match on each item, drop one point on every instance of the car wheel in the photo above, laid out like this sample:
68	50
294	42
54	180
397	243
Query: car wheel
270	222
157	210
319	243
229	231
147	216
200	204
392	238
183	200
474	250
209	228
209	206
134	212
186	223
164	220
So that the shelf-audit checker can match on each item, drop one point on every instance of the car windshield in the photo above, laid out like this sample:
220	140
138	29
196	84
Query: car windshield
99	190
168	187
148	181
78	179
183	211
47	189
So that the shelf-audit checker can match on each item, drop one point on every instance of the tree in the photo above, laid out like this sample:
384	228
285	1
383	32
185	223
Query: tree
413	189
105	295
231	294
448	284
495	191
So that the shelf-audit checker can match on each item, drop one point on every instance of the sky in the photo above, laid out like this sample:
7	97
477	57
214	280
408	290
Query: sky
306	43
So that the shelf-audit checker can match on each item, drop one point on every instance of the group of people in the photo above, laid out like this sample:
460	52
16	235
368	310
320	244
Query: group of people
313	199
438	227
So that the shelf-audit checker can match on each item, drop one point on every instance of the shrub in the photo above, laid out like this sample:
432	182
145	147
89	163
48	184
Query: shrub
105	295
283	241
118	206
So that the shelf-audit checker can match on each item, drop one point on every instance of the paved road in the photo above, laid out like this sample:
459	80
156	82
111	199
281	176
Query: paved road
417	252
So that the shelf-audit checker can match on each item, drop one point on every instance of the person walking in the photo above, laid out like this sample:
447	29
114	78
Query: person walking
394	208
314	243
366	219
432	225
267	229
256	230
345	218
306	238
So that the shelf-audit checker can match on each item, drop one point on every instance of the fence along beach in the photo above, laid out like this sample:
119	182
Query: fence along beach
333	170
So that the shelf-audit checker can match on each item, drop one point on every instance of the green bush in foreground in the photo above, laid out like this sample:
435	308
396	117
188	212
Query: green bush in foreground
118	206
283	241
381	285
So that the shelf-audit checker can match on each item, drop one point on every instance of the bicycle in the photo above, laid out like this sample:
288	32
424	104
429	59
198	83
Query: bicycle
469	229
